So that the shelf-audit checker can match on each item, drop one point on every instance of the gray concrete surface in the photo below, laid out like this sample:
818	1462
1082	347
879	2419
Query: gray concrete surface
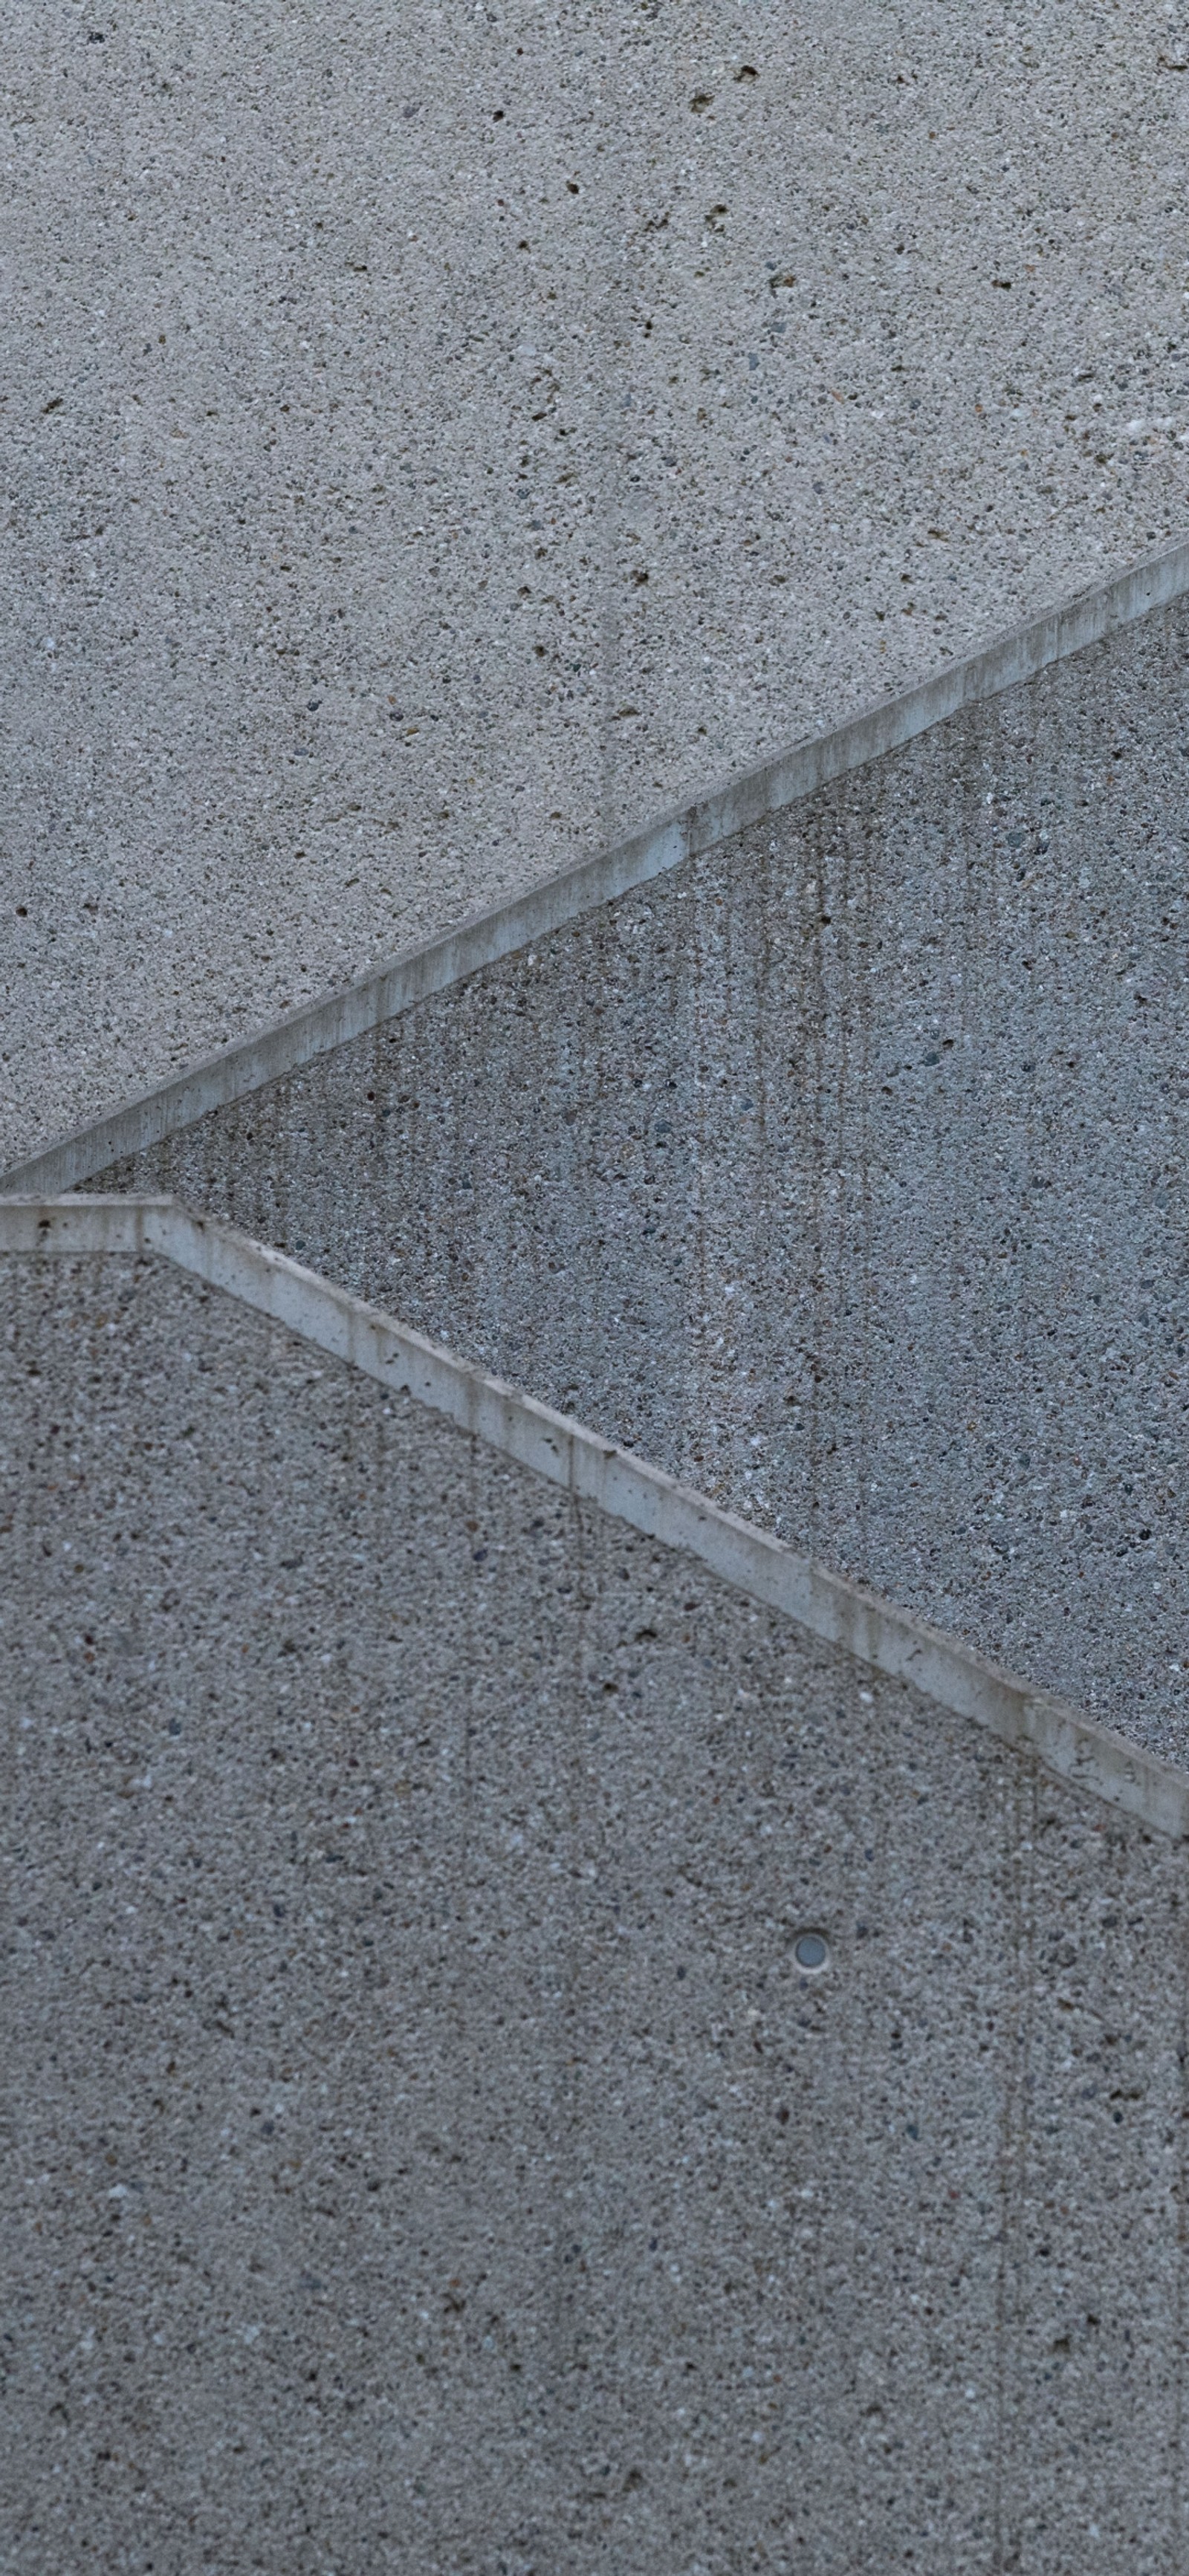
367	565
840	1171
754	796
428	2153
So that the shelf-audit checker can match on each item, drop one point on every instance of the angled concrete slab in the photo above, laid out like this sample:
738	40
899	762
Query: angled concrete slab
838	1168
566	1453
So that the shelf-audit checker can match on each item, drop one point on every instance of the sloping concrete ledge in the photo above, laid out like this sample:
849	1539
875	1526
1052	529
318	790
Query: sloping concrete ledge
841	1613
479	941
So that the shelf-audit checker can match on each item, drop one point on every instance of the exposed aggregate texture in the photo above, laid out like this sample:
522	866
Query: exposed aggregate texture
438	439
425	2150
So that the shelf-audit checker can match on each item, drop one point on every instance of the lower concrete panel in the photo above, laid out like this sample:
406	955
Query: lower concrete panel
429	2152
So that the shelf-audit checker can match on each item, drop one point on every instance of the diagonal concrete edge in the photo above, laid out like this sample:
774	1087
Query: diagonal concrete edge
826	1604
436	963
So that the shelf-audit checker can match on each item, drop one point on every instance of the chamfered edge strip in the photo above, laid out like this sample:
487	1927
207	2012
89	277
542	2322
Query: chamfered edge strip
829	1606
484	938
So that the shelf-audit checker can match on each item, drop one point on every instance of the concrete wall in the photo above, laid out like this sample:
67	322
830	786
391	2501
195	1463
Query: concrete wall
427	2151
440	439
840	1170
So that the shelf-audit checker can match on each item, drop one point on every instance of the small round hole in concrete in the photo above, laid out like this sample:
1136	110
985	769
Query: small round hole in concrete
810	1951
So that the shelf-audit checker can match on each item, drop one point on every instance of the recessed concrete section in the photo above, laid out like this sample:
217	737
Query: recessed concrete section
484	937
428	2145
839	1170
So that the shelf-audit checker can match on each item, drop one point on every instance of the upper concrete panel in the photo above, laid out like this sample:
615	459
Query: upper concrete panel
439	441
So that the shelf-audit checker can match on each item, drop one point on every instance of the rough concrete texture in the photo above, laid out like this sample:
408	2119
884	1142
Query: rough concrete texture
439	439
840	1171
428	2153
